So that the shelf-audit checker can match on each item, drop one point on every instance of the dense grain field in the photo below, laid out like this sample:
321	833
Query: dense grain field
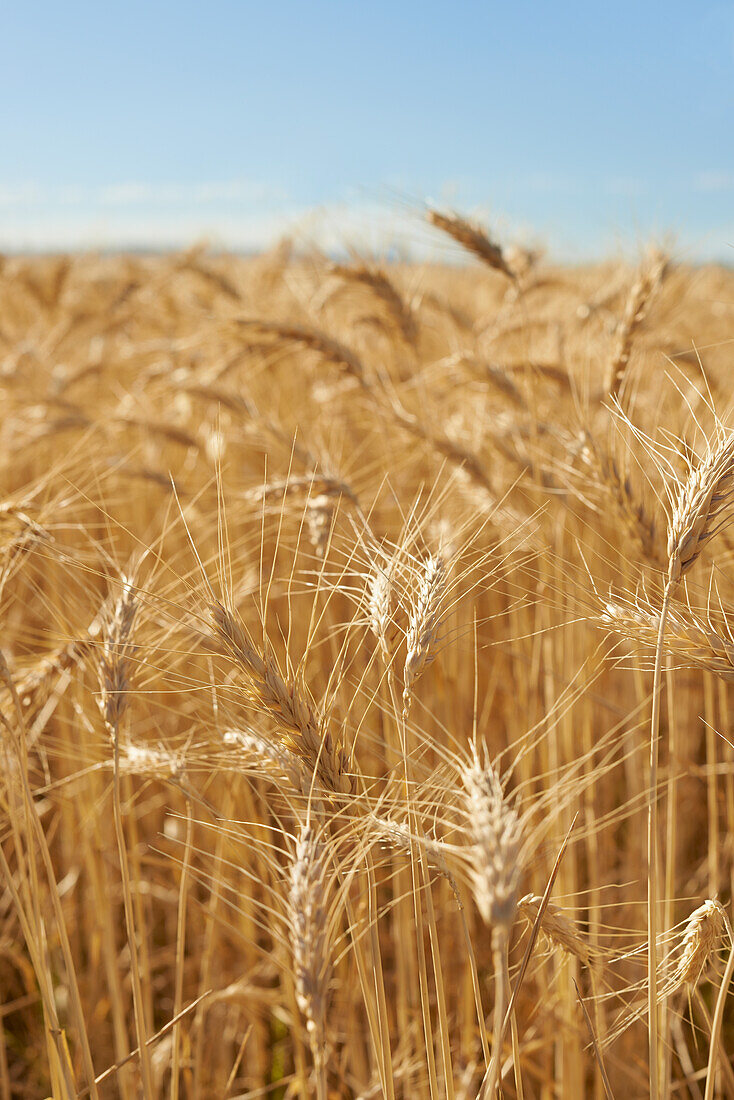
356	624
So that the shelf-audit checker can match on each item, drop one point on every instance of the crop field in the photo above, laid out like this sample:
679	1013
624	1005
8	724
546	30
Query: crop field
366	645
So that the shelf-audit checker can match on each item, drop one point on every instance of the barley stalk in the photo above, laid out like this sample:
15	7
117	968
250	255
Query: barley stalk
114	672
715	1040
699	511
495	866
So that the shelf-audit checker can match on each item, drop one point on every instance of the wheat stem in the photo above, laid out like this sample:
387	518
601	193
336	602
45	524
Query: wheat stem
652	858
717	1022
499	947
514	1031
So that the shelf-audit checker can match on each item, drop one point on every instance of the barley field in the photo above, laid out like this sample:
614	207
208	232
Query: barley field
361	627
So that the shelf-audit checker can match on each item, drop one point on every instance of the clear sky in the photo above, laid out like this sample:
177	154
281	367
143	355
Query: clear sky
590	126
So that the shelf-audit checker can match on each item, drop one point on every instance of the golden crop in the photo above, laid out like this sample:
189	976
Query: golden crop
332	602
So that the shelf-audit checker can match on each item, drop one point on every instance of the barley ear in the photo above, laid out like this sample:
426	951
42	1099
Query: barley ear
701	500
308	921
424	623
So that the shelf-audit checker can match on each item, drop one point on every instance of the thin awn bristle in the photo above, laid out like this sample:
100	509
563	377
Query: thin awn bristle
400	836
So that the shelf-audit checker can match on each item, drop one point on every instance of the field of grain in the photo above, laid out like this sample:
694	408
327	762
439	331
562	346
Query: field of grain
356	623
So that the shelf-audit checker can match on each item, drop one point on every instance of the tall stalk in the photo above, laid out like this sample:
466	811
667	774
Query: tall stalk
652	854
718	1019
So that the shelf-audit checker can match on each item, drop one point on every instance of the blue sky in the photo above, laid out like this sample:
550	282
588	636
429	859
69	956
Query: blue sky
589	126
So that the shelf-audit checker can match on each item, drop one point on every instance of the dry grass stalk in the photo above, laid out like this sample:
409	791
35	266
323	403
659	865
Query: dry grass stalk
472	238
717	1022
114	662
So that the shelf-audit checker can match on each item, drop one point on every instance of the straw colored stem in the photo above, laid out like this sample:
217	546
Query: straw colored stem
716	1026
670	848
138	1002
514	1031
501	993
443	1022
180	955
652	855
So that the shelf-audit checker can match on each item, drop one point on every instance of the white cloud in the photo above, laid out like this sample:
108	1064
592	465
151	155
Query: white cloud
331	227
193	194
21	194
129	193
